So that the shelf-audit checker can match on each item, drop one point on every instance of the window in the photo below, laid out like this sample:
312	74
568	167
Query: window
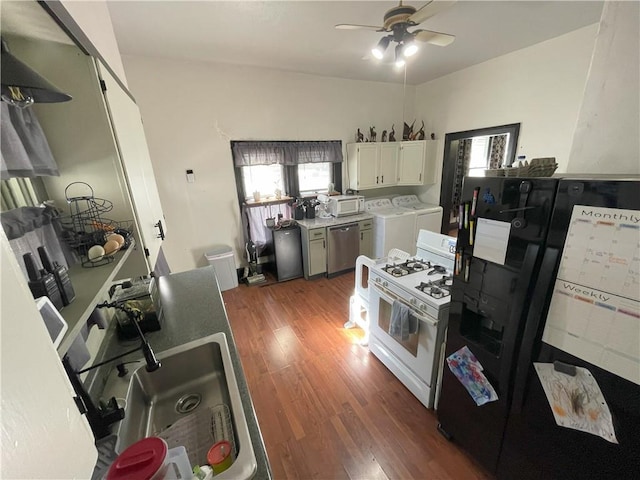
265	179
478	158
314	178
296	168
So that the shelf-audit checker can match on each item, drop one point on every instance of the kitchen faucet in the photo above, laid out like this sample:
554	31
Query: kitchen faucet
100	418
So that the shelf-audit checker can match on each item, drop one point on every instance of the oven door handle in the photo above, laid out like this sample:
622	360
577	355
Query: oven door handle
391	297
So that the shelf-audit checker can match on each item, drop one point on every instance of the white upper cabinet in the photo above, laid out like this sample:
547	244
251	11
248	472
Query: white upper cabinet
372	165
388	166
411	163
132	146
363	165
376	165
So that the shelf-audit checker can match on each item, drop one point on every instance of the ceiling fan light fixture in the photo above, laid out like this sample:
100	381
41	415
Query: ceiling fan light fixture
410	49
399	63
380	48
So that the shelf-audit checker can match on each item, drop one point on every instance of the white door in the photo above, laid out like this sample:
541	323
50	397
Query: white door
388	170
134	153
411	164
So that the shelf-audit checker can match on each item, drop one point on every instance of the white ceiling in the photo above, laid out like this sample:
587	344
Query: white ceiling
300	36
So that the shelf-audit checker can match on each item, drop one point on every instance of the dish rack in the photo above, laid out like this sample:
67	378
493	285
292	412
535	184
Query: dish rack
198	431
538	167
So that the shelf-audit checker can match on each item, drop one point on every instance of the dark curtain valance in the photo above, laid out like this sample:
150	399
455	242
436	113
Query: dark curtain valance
249	153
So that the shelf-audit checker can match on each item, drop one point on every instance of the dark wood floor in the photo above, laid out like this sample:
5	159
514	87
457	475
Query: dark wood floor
328	408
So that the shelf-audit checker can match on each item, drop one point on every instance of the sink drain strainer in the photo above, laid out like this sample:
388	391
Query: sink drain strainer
188	403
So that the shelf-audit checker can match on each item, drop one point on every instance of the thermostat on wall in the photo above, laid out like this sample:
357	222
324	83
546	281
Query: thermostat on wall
190	176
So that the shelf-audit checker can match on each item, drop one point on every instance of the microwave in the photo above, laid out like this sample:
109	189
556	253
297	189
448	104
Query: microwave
343	205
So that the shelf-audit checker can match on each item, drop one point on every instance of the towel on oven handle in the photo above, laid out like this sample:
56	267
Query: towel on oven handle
402	323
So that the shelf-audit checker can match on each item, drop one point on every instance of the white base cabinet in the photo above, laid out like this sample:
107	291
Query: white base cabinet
377	165
314	251
366	238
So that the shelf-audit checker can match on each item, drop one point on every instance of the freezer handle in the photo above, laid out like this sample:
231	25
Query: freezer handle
535	321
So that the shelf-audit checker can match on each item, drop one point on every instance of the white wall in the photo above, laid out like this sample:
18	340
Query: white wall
94	19
43	434
191	111
540	87
606	138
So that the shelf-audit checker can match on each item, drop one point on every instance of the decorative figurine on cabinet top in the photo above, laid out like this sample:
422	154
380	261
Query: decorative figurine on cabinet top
408	131
372	134
392	134
420	134
384	136
359	137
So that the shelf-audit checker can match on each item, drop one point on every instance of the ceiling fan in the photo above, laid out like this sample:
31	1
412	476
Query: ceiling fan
397	21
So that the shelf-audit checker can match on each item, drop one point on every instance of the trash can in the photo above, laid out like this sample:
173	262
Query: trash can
221	259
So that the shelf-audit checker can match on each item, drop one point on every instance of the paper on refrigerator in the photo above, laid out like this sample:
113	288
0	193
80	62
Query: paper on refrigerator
595	308
491	240
468	370
576	401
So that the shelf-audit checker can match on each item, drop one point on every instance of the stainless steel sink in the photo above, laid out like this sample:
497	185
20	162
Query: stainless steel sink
194	378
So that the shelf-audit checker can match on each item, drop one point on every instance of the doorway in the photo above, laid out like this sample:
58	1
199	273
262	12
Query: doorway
470	153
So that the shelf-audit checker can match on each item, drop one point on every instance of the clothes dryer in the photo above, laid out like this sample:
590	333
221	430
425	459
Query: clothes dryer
428	217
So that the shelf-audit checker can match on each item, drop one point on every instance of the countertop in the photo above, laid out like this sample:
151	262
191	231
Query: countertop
332	221
193	308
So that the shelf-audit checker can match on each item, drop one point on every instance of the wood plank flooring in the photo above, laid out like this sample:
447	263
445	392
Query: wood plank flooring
327	408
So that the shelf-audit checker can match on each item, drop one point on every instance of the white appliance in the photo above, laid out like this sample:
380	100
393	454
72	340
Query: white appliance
428	217
342	205
392	227
422	284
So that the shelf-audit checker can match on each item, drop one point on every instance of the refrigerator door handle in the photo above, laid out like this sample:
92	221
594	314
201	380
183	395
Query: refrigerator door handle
535	320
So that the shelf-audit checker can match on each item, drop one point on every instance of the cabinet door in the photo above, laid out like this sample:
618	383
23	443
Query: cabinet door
317	257
366	243
134	154
411	163
38	411
367	160
388	165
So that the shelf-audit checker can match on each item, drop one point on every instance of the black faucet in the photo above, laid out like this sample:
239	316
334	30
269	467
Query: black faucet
100	418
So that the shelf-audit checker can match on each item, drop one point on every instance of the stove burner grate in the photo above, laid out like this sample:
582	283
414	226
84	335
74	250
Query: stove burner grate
438	288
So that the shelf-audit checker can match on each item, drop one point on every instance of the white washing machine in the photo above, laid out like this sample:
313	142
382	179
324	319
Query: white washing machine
393	227
428	217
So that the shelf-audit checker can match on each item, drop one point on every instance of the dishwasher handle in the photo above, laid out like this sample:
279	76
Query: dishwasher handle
344	228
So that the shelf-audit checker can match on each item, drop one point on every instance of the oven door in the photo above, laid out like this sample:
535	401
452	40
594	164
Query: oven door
415	360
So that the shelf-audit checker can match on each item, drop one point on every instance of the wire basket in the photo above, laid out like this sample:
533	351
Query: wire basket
199	431
86	225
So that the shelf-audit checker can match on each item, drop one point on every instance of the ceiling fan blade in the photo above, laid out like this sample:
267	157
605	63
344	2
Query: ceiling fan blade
349	26
429	10
434	38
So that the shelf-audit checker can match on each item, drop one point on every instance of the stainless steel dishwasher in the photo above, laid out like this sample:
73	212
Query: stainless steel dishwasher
343	247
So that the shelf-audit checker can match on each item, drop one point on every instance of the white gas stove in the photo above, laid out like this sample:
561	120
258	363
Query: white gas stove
423	281
421	286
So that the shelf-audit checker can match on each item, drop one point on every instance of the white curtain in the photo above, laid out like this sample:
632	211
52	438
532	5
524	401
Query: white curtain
257	217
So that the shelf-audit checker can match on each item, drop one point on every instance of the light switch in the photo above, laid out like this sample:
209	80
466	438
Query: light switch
190	176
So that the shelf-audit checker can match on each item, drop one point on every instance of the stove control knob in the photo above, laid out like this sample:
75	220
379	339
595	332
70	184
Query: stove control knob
423	307
413	301
385	284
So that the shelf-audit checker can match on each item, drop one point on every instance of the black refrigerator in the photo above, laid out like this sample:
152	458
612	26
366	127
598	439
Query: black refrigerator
546	300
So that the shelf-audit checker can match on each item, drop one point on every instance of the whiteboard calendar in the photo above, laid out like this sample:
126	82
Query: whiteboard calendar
595	307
